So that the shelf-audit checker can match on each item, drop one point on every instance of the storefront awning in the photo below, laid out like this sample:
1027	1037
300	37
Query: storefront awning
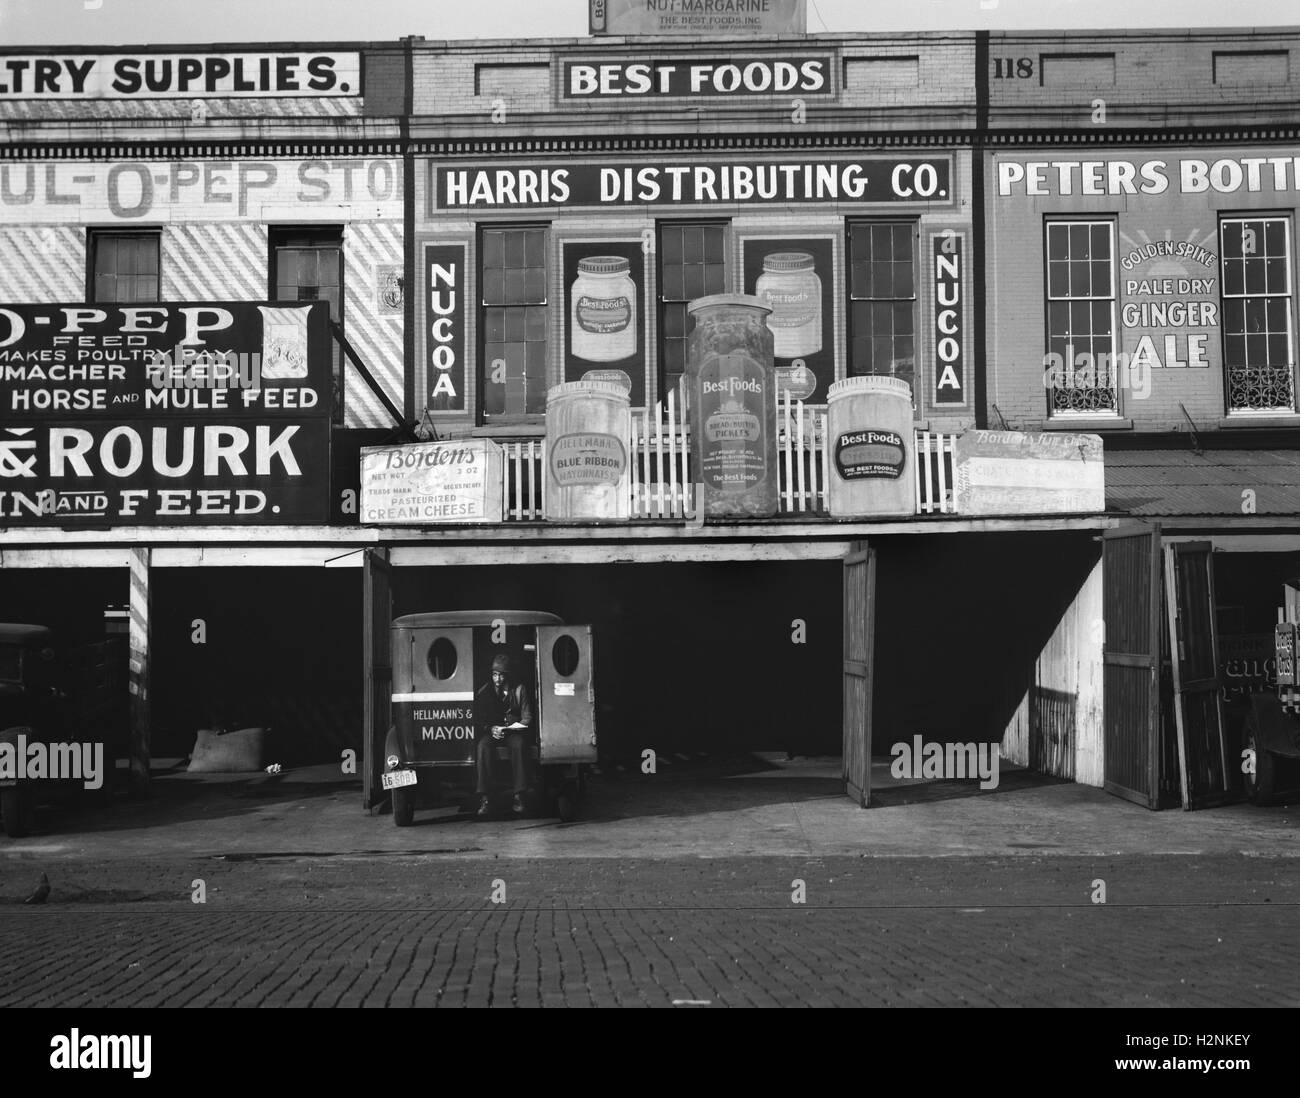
1214	483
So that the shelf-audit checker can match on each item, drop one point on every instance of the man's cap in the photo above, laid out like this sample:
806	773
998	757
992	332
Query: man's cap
501	663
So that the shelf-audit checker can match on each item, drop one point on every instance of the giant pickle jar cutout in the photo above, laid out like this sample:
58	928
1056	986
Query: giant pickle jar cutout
733	411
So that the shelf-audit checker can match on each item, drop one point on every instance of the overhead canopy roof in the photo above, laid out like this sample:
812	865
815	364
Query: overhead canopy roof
1214	482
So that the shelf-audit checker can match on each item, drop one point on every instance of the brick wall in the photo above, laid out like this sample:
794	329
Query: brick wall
745	223
1168	254
1145	77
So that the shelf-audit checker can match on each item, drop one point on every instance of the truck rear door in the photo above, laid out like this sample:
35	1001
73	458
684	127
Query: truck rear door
566	694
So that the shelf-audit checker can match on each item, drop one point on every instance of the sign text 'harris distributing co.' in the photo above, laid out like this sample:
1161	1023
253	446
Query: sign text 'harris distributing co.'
882	179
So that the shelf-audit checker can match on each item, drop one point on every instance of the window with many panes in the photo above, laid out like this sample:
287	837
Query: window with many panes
882	299
307	265
692	264
123	266
512	323
1256	292
1081	317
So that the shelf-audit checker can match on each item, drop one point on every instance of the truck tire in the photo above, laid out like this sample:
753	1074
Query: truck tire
1262	785
16	811
404	805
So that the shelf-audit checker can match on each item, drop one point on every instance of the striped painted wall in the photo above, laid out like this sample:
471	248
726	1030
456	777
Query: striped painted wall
376	337
224	261
42	264
214	221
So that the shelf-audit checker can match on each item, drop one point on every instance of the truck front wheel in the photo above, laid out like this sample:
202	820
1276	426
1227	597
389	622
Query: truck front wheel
404	805
1261	785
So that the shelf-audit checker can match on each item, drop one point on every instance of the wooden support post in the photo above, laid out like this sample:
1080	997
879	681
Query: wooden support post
138	669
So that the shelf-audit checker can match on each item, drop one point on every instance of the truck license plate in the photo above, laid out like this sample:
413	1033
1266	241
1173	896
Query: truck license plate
395	778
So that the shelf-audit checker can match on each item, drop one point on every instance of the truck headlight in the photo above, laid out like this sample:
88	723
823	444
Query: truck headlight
393	761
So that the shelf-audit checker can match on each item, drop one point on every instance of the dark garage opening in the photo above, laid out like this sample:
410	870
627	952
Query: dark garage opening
281	649
688	657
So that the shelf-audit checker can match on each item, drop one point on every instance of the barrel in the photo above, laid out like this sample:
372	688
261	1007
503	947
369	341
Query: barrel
588	430
733	406
873	448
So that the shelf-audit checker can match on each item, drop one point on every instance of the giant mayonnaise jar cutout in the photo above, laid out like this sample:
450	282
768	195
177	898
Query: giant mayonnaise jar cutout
588	430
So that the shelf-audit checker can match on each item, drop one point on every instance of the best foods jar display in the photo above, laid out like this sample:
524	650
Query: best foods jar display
602	312
733	409
588	430
873	448
791	288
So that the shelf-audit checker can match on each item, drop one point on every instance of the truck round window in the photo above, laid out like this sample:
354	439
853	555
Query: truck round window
564	654
442	658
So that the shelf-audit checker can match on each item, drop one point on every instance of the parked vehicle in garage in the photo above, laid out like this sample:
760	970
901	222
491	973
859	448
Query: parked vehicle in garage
443	667
1271	741
63	719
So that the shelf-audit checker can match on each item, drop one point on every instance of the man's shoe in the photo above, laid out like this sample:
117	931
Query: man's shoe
518	807
484	807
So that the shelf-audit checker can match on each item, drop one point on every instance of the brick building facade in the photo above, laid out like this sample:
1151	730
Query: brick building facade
964	205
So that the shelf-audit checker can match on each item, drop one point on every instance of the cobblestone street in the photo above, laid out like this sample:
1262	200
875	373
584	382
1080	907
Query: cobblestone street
421	929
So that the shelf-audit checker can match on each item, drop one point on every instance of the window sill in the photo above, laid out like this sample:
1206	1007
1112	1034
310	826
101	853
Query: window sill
1089	423
1261	419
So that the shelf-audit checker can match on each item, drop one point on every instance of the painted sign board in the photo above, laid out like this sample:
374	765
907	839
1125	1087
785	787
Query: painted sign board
604	315
1175	243
793	277
947	258
195	191
431	483
209	360
171	472
149	75
447	284
1013	473
737	77
698	17
863	179
203	413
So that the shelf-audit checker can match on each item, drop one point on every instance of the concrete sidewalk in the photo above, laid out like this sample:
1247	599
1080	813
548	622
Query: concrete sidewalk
749	805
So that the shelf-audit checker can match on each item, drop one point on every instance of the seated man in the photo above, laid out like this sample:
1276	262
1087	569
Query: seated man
504	711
